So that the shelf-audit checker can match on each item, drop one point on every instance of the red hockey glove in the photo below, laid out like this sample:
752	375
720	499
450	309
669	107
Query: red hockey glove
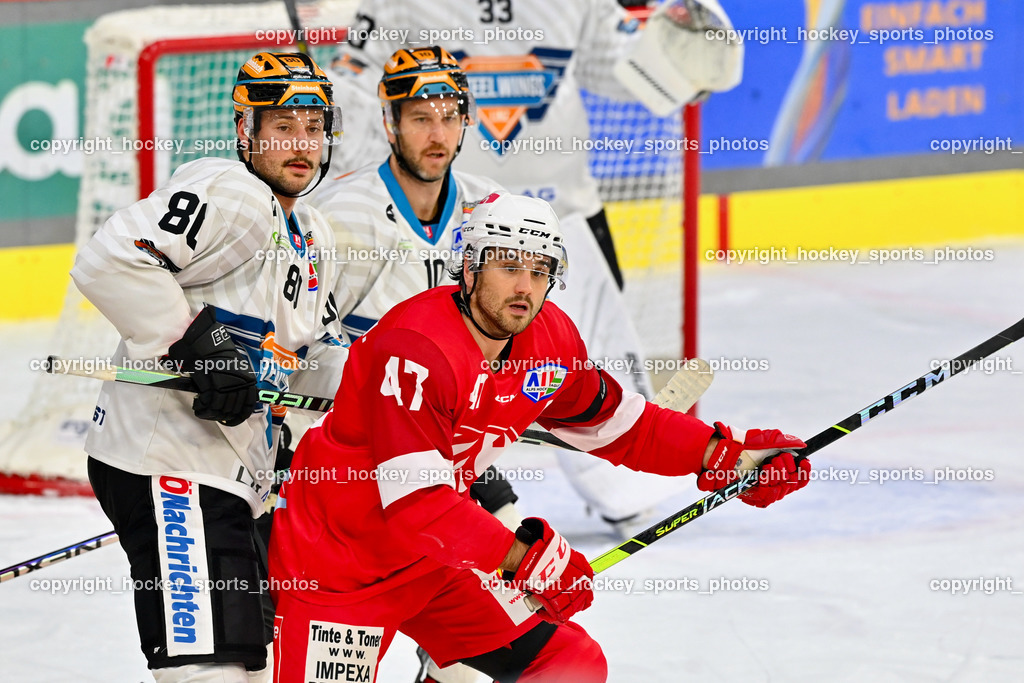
559	577
222	372
780	472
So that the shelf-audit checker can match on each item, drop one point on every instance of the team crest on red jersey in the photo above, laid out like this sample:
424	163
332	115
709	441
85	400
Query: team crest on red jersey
542	382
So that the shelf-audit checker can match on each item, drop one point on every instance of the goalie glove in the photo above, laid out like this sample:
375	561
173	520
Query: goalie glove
221	371
682	53
557	576
780	472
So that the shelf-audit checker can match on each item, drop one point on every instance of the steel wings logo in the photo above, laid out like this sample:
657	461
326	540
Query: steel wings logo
542	382
508	87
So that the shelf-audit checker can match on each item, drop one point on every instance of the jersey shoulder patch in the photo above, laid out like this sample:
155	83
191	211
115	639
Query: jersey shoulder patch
542	382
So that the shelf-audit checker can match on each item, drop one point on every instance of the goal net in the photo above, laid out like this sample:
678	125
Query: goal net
158	86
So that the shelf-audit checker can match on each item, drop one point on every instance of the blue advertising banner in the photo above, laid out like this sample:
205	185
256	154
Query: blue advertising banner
842	80
838	80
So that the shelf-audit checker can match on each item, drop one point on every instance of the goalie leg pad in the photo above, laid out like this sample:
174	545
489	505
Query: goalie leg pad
616	492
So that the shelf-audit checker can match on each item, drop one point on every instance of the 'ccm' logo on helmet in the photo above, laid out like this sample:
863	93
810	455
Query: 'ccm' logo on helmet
534	233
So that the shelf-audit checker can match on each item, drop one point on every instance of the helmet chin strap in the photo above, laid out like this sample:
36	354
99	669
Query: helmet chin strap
462	301
247	160
551	285
324	167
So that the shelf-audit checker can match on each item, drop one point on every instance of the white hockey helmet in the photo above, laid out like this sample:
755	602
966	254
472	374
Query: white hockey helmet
511	222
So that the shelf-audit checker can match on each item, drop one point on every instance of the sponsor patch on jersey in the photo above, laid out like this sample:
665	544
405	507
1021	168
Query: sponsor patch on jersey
457	238
629	25
543	382
467	209
313	282
188	613
507	88
342	652
278	357
147	247
390	213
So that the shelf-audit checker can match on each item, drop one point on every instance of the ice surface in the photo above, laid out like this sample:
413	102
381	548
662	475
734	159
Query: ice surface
838	577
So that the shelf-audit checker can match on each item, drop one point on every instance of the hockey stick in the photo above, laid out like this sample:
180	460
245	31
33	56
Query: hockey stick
293	19
814	444
168	380
681	392
56	556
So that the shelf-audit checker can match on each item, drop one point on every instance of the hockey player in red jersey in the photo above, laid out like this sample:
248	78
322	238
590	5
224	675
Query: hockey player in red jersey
375	530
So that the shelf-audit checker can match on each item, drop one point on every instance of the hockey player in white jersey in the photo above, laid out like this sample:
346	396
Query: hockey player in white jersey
527	89
223	274
395	223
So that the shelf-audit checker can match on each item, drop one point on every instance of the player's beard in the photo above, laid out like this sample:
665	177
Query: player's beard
492	315
415	168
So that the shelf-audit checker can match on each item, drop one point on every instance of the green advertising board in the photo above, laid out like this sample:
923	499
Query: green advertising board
41	118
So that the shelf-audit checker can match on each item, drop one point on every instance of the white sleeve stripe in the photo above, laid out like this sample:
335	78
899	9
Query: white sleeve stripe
404	474
597	436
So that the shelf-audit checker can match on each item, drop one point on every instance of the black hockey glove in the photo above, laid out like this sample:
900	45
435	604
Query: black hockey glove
222	372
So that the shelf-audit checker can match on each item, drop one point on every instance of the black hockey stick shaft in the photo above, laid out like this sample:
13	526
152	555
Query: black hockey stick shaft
681	392
168	380
56	556
293	19
814	444
694	381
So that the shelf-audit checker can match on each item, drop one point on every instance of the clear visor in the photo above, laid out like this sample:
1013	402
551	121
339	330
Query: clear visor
512	260
457	110
298	130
